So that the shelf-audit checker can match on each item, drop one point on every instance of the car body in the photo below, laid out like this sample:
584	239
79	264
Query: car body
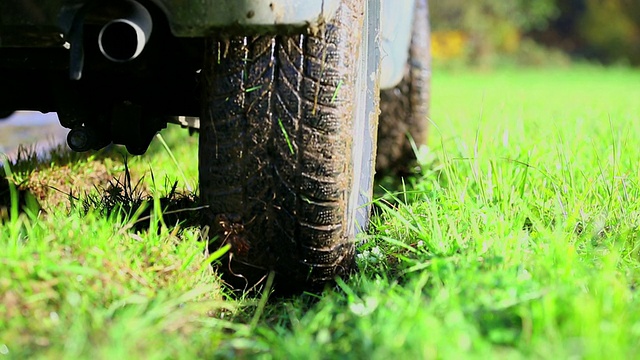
289	95
29	28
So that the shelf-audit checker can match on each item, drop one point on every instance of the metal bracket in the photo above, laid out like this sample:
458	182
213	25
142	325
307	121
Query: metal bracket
76	43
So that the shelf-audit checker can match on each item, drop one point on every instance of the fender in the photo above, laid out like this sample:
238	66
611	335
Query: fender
395	40
199	18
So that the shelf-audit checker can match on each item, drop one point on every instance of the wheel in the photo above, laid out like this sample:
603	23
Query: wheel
287	146
404	109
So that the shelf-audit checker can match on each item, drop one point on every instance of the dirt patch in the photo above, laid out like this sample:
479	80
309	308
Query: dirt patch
47	189
60	177
65	184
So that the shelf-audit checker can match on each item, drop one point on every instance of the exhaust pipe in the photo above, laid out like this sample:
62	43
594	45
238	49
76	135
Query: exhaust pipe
123	39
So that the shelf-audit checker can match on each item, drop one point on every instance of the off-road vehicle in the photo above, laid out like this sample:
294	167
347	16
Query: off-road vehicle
290	98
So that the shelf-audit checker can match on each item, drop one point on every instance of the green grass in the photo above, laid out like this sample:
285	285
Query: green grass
518	238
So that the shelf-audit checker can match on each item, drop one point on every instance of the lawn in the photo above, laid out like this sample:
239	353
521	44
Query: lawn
517	237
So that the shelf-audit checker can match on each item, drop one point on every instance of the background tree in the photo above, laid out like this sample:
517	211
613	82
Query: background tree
490	27
605	30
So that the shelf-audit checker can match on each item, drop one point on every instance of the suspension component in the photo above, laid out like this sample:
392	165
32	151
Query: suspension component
81	139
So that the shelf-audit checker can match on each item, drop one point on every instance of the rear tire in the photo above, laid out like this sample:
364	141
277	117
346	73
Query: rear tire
404	109
277	152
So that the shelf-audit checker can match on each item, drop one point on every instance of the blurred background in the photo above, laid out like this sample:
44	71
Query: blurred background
486	33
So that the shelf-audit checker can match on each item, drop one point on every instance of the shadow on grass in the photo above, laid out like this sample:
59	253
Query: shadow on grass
129	200
10	194
84	183
138	211
407	187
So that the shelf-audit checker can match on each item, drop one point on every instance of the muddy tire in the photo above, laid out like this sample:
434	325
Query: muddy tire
404	109
277	152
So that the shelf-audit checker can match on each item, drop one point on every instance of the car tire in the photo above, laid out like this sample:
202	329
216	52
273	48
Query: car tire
285	165
404	109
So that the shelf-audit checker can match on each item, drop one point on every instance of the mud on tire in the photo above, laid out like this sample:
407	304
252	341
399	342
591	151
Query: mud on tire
275	151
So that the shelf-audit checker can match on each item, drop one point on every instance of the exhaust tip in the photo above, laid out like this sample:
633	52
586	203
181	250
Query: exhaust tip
124	39
120	41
